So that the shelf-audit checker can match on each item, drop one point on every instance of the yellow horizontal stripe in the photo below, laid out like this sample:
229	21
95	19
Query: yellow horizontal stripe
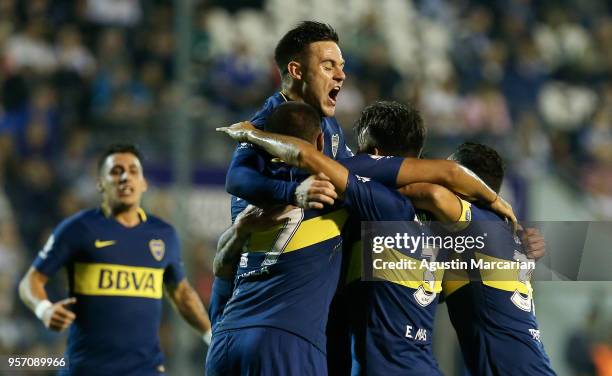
118	280
410	277
309	232
502	279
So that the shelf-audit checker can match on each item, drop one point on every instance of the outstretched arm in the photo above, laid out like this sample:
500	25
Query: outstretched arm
291	150
439	201
304	155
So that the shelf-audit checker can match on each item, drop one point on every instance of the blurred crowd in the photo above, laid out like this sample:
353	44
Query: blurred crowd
533	78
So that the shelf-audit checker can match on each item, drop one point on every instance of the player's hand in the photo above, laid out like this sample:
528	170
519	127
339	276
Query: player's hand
254	219
238	131
534	242
503	208
58	317
315	192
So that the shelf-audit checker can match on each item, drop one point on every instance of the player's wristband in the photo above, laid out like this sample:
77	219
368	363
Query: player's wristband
207	337
41	307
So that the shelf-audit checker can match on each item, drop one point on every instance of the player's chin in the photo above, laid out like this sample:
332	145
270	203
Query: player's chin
328	110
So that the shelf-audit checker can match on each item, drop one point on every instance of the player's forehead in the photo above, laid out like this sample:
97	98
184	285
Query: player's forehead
324	50
125	160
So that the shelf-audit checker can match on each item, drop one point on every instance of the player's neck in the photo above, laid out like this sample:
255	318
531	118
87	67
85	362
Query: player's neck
292	93
128	217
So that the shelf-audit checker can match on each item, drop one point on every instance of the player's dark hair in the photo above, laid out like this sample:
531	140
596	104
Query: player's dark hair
118	148
295	41
393	128
295	119
484	161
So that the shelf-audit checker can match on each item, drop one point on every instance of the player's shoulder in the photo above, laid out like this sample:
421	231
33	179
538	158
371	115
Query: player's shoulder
482	213
152	220
77	220
269	105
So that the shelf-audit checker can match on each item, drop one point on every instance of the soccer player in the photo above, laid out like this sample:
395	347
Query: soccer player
368	200
493	315
118	259
311	67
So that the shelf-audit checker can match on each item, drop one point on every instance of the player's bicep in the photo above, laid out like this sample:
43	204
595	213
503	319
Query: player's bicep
439	201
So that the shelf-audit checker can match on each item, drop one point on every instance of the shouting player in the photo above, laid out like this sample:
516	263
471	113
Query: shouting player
118	260
311	65
292	304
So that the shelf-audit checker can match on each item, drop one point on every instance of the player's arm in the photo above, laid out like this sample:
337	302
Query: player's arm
232	241
441	202
293	151
189	305
456	178
245	180
54	316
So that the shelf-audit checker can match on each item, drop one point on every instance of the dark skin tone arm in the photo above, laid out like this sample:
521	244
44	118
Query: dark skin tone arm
305	155
232	241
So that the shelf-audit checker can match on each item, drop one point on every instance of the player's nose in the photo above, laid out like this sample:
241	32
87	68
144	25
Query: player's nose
339	74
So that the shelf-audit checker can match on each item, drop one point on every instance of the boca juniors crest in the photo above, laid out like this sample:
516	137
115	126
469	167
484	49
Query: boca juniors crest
335	140
157	248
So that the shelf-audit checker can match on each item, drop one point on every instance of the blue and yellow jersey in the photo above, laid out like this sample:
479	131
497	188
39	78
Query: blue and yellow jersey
492	309
117	275
245	174
391	319
290	273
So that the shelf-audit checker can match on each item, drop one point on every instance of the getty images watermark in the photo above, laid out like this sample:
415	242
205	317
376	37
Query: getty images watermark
409	251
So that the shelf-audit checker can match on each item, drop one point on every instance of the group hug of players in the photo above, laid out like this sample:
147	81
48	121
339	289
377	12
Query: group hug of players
289	298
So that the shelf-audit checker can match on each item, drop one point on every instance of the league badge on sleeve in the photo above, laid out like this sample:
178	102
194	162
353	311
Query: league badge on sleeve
335	141
157	248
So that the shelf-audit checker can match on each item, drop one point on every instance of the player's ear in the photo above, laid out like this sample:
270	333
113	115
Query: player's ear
99	186
320	142
145	185
295	70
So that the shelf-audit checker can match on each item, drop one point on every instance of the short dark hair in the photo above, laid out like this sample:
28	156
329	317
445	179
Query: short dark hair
483	160
392	127
295	41
118	148
295	119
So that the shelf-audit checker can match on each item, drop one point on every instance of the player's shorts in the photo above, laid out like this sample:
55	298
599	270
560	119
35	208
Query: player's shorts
263	351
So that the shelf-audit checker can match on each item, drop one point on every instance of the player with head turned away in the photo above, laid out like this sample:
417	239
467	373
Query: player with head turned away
118	260
363	199
492	310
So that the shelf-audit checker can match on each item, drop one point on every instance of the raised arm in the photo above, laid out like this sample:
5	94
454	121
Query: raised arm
291	150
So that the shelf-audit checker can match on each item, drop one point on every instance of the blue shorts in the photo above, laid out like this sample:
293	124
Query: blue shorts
263	351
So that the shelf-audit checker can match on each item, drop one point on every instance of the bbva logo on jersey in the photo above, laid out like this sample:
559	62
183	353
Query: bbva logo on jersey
157	248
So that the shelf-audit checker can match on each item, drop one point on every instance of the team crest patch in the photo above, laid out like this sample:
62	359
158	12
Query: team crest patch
335	141
157	248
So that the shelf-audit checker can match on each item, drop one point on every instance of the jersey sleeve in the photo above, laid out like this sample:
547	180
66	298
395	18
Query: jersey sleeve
245	179
220	295
383	169
59	248
372	201
175	271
